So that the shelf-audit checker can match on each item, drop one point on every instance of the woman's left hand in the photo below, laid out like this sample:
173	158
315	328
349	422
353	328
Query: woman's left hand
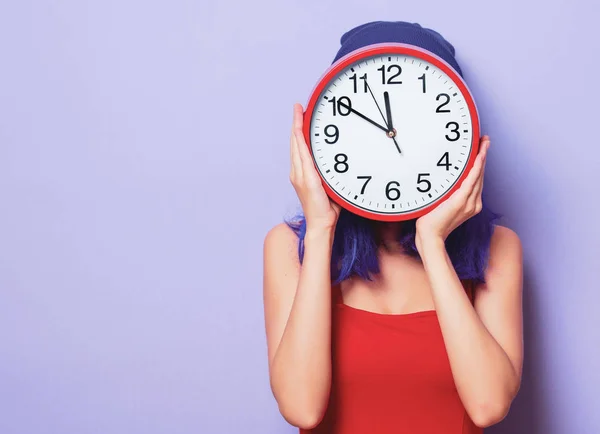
463	204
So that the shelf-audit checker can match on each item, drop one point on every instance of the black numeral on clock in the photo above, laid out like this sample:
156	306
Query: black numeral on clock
355	79
447	98
341	105
424	86
445	161
334	136
453	130
368	178
391	192
341	163
395	70
421	180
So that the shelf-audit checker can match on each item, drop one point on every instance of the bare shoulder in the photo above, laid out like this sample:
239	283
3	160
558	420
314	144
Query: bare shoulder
505	244
504	271
505	264
281	265
281	243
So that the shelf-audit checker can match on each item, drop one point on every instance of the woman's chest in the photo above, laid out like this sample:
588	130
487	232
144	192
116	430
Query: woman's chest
387	351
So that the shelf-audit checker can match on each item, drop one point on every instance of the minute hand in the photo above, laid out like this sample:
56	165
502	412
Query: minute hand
359	114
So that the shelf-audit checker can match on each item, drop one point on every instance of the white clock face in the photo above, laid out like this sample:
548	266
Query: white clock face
399	168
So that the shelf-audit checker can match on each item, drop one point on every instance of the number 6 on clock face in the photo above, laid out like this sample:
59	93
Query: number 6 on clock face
393	131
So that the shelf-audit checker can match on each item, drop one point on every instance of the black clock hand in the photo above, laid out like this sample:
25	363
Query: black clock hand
347	107
388	110
390	132
395	142
377	104
390	124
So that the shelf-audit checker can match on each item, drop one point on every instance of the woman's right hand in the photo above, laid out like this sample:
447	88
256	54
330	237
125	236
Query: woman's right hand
319	210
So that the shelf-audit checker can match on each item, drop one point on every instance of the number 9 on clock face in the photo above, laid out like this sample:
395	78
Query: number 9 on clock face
393	131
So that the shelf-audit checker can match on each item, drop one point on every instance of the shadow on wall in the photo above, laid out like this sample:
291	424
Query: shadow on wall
530	412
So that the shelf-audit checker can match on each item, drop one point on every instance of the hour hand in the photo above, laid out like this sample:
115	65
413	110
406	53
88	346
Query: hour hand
360	115
388	110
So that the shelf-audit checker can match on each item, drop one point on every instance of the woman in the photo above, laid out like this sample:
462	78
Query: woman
411	327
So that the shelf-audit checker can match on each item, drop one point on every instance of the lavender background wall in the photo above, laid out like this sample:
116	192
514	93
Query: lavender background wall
143	157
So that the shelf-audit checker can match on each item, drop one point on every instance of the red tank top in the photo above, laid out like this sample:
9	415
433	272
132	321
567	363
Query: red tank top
391	374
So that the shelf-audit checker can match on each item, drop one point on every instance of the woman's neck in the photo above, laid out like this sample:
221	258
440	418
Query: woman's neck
388	234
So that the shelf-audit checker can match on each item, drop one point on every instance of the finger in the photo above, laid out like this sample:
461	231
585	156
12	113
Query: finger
484	138
292	169
336	207
294	154
479	184
308	167
295	167
297	131
475	196
296	161
473	176
468	184
309	172
297	119
484	145
298	116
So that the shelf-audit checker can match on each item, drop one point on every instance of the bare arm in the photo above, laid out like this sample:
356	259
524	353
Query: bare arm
485	344
297	298
298	323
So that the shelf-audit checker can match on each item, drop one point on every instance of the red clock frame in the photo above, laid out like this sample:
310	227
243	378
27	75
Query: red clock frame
402	49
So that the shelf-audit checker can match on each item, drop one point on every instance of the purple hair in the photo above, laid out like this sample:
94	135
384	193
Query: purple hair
356	243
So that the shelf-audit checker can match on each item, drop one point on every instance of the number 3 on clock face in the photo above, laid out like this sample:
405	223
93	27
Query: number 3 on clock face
393	131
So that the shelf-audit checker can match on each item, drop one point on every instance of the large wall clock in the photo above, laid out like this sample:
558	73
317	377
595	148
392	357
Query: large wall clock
393	131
